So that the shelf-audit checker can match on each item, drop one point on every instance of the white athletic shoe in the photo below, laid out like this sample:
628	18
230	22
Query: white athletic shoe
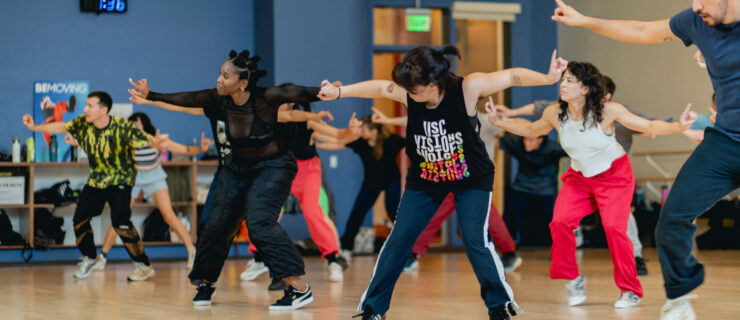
627	300
335	272
191	259
253	270
576	291
87	265
100	265
678	309
141	272
346	254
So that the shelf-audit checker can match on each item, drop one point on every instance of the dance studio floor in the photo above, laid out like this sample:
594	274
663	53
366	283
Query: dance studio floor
444	288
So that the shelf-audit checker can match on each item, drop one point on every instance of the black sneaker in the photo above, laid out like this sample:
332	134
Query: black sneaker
641	266
293	299
276	285
205	292
499	313
369	315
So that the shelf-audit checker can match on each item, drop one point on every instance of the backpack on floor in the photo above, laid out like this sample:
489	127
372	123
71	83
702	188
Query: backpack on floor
47	229
155	228
8	237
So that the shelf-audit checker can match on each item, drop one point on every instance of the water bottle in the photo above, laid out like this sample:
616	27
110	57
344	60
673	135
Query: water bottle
639	196
53	149
197	146
16	150
164	154
663	195
72	154
30	150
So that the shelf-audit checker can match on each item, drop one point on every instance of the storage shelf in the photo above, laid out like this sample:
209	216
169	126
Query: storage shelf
14	206
11	164
146	243
136	204
190	207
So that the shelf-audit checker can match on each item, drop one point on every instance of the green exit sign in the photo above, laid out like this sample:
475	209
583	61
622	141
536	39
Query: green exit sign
418	20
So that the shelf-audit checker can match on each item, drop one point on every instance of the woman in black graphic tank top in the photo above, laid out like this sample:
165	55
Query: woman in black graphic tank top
447	155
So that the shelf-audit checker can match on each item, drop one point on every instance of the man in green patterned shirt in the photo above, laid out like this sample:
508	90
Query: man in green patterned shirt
109	142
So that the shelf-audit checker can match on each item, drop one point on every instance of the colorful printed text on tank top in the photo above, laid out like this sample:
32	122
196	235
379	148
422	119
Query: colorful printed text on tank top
442	151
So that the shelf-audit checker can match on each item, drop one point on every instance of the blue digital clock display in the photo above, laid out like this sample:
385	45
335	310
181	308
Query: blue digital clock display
112	6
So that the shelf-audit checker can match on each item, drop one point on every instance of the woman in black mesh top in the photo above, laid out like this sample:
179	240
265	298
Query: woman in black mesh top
256	176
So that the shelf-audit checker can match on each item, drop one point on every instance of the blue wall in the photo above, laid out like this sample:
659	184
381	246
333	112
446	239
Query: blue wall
330	45
177	47
181	48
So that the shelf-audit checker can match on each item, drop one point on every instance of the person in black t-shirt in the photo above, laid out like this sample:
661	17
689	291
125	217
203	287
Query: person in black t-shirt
378	149
447	155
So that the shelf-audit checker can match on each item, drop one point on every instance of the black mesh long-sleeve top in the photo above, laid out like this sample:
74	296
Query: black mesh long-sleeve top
250	128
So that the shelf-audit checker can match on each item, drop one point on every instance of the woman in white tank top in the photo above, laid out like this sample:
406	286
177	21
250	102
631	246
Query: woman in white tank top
600	176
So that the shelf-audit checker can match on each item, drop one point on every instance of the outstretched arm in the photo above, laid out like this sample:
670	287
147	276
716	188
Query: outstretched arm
171	107
479	84
633	31
367	89
654	127
522	127
51	127
189	150
303	116
190	99
285	93
380	117
504	111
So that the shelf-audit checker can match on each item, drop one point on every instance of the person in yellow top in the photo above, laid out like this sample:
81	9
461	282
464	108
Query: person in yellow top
109	142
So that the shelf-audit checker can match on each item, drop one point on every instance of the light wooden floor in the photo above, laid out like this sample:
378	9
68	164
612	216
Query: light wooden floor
444	288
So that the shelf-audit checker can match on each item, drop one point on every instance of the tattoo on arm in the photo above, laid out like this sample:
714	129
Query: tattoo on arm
670	39
390	87
515	79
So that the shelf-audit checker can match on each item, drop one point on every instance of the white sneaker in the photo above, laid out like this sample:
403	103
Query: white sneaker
579	236
100	265
141	272
191	259
678	309
346	254
87	265
253	270
627	300
576	291
335	272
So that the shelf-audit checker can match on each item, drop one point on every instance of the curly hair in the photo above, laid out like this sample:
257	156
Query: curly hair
247	67
590	77
424	65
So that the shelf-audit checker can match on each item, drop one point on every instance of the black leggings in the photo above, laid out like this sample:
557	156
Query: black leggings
259	189
364	201
91	204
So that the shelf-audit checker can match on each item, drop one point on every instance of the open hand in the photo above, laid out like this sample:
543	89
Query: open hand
688	117
379	116
493	117
205	143
557	67
141	88
566	14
